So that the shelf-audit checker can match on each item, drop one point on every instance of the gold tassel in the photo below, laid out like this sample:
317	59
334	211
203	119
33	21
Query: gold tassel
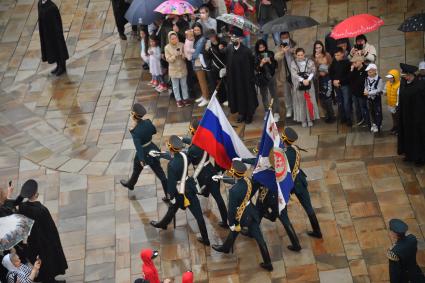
238	228
186	202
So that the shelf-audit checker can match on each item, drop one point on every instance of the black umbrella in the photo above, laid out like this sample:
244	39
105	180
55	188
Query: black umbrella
414	23
142	12
288	23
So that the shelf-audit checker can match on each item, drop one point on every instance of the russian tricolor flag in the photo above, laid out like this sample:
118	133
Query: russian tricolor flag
216	136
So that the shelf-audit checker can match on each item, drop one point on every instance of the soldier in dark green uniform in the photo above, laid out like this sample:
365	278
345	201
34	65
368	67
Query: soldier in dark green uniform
142	131
268	207
289	136
403	267
181	188
242	213
204	170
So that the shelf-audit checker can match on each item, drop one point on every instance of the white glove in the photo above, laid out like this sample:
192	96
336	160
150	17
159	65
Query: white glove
237	158
217	178
232	228
154	153
173	201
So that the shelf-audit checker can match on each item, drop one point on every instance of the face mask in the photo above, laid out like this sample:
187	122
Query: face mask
285	41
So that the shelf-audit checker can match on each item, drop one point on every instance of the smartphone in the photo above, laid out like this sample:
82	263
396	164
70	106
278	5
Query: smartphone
10	183
284	44
178	49
265	55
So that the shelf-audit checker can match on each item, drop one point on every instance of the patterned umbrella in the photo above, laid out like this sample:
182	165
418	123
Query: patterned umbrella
356	25
414	23
288	23
239	22
14	228
175	7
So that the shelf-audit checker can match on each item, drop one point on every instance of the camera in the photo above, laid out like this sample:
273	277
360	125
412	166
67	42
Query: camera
284	44
358	46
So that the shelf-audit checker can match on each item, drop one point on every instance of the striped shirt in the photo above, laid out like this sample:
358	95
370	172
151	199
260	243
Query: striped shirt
21	276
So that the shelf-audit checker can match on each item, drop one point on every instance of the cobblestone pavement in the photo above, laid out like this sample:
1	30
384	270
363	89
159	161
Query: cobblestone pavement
70	134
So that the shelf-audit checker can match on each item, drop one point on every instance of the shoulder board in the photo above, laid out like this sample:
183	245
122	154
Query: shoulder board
392	256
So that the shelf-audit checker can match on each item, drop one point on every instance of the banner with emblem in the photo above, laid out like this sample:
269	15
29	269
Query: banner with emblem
272	168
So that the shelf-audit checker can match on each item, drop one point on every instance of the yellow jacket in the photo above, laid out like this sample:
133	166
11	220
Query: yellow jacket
392	88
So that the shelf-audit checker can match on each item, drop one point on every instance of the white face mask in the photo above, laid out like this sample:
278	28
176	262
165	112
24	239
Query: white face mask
285	40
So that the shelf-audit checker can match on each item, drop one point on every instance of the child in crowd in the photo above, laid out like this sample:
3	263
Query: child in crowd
391	91
153	58
374	87
325	93
188	44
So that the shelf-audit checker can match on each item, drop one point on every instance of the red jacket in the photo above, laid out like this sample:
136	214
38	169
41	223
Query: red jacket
148	268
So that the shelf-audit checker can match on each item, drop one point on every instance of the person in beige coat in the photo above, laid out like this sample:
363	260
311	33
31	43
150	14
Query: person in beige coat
177	71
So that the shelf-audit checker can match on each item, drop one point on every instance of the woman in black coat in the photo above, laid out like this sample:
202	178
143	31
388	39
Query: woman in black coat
52	41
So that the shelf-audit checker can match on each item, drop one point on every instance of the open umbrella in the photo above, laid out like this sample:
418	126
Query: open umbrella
239	22
288	23
175	7
14	228
356	25
142	12
414	23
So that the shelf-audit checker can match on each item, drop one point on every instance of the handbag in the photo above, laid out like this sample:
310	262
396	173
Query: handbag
303	75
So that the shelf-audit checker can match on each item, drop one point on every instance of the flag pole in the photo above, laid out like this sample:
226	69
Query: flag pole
271	104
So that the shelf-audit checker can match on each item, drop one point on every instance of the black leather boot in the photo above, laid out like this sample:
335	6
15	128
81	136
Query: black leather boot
227	246
61	68
54	71
267	263
316	233
128	184
168	217
295	243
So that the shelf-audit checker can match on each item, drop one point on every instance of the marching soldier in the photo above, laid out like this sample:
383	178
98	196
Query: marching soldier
181	188
268	207
204	170
243	214
142	131
289	136
403	267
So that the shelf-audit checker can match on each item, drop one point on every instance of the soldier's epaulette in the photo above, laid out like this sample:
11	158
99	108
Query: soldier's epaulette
392	256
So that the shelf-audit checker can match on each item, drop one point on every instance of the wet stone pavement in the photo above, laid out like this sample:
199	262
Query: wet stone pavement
70	134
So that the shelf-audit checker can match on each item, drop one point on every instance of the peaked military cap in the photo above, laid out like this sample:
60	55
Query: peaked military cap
408	69
29	188
238	168
175	143
138	110
398	226
289	135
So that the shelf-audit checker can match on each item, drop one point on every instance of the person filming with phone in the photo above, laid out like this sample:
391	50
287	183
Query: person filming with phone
18	271
364	49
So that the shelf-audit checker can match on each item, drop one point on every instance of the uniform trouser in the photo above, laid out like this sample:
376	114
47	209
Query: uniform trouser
287	225
195	209
202	80
255	232
214	188
119	8
156	168
265	90
304	197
